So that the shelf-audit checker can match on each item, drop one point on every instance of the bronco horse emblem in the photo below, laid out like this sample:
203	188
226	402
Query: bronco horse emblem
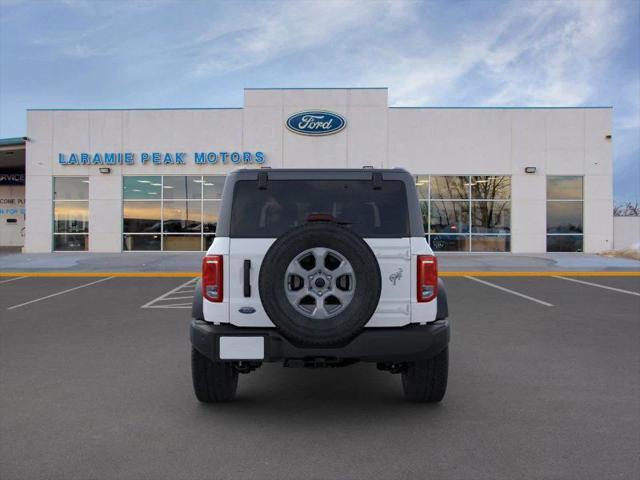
394	277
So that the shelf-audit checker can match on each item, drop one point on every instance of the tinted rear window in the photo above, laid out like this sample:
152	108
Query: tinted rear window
285	204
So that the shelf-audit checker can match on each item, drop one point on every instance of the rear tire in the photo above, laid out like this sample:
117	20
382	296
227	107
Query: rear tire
426	381
212	381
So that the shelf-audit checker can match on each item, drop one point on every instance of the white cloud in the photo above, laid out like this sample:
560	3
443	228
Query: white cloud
106	8
273	30
555	62
102	33
540	53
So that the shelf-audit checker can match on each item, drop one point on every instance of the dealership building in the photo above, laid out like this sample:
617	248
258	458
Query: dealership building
518	179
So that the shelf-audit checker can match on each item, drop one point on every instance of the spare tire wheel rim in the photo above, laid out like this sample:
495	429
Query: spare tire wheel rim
319	283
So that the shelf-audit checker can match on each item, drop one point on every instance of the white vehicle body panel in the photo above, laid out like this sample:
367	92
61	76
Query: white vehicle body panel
242	249
394	261
397	259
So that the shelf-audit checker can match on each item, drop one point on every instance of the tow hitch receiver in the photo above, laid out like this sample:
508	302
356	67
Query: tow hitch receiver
317	362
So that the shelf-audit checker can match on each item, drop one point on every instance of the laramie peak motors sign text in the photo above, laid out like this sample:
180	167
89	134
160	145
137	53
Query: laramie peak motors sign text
161	158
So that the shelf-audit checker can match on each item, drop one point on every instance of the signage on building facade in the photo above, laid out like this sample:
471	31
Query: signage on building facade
11	178
12	206
161	158
316	122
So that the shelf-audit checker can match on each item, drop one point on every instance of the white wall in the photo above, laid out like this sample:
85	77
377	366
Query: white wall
437	141
626	232
362	142
503	141
39	162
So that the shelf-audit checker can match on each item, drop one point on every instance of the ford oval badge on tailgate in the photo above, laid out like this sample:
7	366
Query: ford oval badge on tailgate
247	310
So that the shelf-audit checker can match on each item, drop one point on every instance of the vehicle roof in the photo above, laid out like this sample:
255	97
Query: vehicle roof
319	173
365	169
321	170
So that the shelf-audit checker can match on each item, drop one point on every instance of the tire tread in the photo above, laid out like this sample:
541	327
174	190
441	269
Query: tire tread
427	381
212	381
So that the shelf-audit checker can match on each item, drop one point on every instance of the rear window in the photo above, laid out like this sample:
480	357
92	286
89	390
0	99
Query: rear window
285	204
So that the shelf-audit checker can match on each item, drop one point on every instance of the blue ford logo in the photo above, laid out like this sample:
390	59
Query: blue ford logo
316	122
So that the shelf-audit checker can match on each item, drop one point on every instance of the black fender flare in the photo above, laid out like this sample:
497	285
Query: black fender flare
196	306
443	305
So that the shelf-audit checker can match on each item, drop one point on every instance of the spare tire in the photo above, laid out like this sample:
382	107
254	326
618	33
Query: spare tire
319	284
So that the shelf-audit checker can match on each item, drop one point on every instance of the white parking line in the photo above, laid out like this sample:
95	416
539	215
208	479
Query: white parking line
166	297
620	290
513	292
177	305
59	293
12	279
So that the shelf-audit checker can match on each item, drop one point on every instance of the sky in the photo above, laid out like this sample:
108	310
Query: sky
123	54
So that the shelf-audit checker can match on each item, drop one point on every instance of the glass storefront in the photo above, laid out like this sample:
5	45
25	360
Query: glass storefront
466	213
70	213
180	213
449	216
170	212
564	213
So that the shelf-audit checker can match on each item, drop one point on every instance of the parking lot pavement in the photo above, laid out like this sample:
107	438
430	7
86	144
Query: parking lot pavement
179	297
94	386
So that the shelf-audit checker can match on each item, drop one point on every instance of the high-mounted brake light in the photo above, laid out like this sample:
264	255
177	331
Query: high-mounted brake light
427	278
212	278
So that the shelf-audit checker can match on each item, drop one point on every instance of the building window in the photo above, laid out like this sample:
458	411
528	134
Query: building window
170	213
564	213
466	213
70	213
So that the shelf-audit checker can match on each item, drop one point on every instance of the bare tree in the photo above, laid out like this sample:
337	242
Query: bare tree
627	209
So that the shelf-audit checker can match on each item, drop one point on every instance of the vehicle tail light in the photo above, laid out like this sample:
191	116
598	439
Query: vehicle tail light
212	278
427	278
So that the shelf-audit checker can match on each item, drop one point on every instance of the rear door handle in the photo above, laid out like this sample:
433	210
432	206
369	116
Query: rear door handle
247	278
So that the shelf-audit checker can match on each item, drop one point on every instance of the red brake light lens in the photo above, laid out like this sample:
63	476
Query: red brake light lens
212	278
427	278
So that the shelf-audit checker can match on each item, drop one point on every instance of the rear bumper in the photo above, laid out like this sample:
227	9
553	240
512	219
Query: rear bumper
403	344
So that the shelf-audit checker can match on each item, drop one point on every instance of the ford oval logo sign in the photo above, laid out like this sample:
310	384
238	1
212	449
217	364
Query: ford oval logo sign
316	122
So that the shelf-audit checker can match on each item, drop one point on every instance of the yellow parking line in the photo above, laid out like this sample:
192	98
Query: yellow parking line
102	274
540	274
197	274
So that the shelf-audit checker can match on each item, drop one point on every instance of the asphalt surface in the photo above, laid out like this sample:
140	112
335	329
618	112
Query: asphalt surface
93	386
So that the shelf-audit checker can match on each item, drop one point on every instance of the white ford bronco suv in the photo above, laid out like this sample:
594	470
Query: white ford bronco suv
320	268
